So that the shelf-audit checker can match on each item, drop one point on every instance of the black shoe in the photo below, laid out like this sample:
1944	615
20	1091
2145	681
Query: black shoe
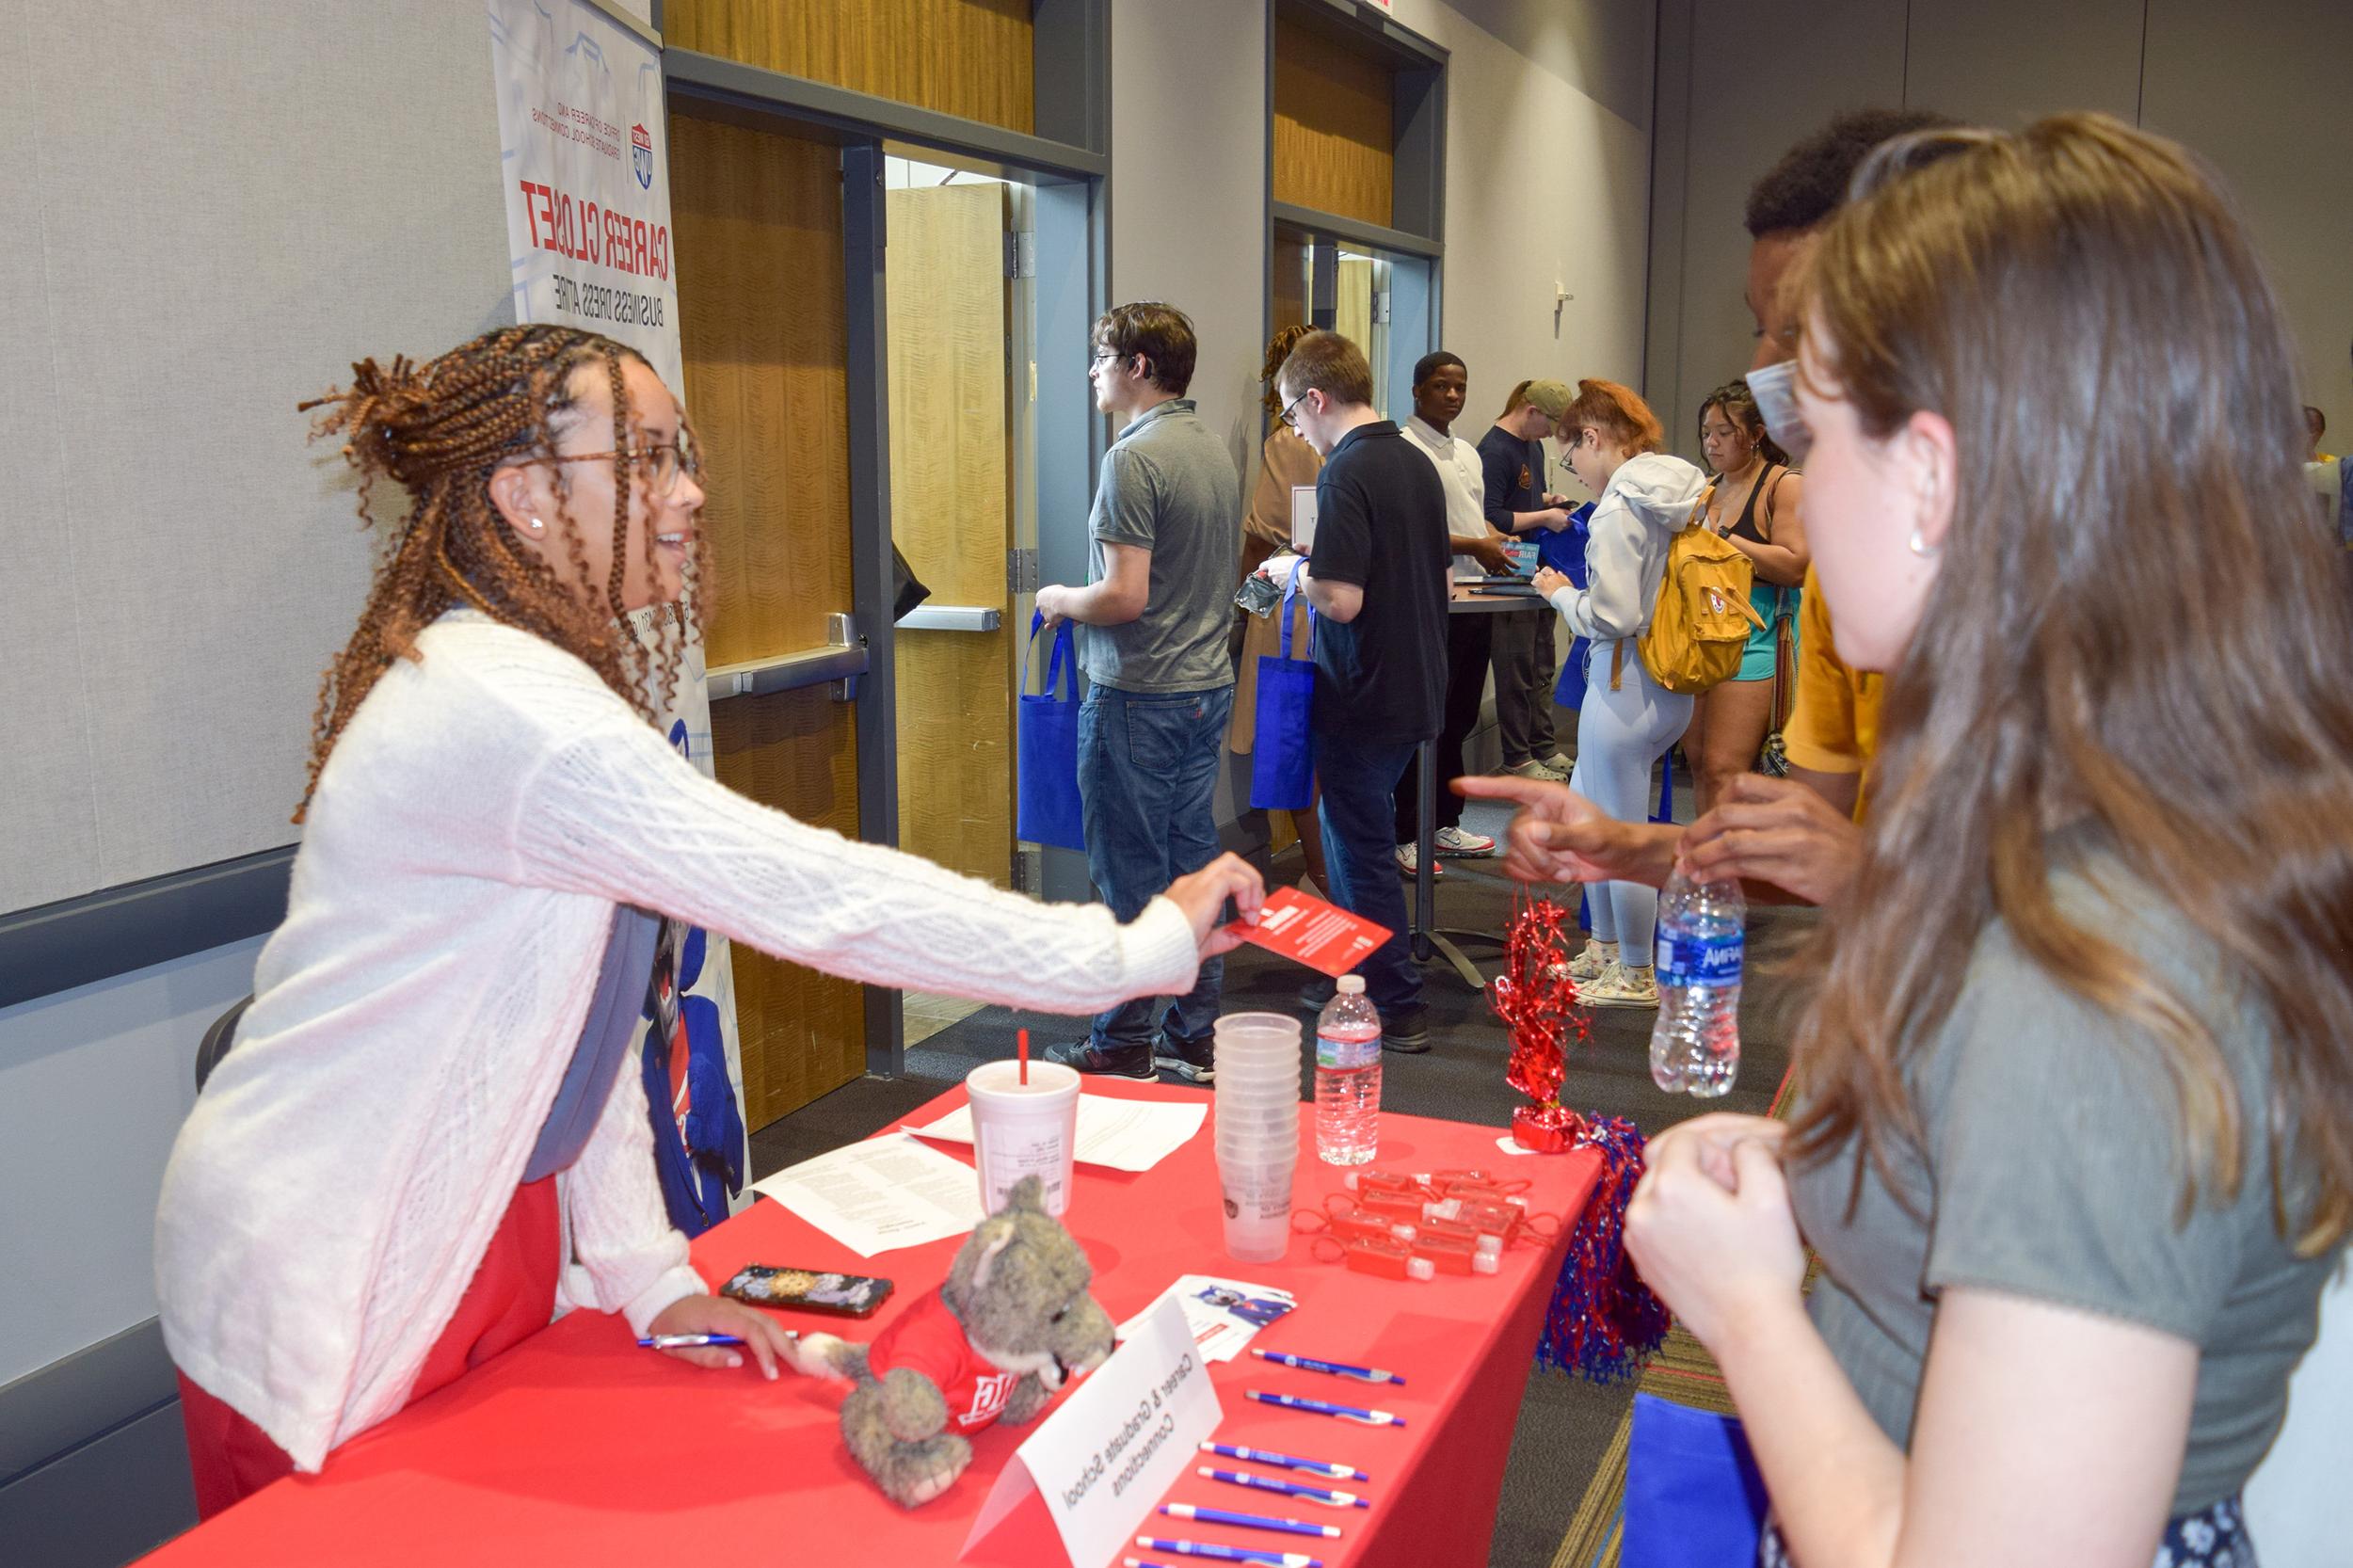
1194	1061
1406	1031
1317	993
1126	1061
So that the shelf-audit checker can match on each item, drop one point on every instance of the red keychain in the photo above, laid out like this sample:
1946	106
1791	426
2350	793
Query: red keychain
1407	1206
1451	1254
1499	1220
1388	1257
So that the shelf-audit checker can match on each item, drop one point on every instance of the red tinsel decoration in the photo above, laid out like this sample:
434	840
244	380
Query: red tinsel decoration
1603	1321
1537	1001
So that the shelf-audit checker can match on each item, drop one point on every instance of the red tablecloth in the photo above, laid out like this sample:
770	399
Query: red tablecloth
578	1448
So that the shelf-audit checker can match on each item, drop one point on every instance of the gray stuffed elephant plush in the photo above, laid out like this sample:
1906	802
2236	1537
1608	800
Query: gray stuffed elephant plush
996	1342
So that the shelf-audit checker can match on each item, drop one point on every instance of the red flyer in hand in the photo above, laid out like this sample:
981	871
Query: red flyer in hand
1308	930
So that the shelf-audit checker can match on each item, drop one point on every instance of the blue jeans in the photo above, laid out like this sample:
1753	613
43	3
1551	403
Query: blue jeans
1358	780
1148	786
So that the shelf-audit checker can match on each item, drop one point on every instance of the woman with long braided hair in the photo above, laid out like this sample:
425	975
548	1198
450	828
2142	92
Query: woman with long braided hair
422	1146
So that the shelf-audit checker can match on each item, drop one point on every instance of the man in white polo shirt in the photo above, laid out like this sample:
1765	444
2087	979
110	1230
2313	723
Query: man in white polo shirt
1441	386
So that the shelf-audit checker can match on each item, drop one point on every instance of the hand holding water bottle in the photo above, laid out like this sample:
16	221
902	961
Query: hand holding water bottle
1779	831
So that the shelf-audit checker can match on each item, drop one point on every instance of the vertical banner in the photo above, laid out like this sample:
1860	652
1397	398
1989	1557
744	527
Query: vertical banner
583	160
588	176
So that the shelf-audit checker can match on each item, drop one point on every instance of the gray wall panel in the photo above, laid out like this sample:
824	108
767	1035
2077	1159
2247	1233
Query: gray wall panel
262	199
2004	62
108	1066
49	833
2257	89
1601	50
1547	184
1189	192
2260	89
1753	85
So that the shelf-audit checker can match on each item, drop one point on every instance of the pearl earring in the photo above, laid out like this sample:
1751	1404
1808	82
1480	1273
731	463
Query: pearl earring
1919	546
537	525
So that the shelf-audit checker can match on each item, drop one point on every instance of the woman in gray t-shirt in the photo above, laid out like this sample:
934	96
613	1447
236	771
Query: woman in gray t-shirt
2075	1133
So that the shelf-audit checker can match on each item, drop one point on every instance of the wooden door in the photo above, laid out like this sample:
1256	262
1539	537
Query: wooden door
763	320
952	518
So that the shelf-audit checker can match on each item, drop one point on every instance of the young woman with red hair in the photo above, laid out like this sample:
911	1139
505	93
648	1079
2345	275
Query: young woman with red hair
1612	442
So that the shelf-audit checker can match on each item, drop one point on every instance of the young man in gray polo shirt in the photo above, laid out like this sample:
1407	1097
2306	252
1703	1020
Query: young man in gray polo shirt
1153	624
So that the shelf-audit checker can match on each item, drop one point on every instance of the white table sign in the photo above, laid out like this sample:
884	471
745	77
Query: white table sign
1114	1445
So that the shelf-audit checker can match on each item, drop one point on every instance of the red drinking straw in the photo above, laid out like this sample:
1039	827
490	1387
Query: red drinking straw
1022	1038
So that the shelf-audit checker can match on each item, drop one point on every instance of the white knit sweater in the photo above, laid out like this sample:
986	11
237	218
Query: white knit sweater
339	1181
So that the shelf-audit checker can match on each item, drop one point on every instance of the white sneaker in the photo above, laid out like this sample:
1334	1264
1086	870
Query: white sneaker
1409	861
1587	966
1541	772
1456	840
1620	987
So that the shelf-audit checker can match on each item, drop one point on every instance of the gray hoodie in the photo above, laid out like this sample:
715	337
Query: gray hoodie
1645	505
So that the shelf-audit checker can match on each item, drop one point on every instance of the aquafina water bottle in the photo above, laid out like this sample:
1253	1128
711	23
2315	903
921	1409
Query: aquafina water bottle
1695	1046
1348	1076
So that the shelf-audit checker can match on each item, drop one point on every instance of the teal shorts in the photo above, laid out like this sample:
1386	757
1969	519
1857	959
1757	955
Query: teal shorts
1771	603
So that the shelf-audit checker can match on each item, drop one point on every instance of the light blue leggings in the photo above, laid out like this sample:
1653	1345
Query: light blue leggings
1619	735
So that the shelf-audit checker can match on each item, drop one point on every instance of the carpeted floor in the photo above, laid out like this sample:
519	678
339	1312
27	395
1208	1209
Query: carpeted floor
1565	1427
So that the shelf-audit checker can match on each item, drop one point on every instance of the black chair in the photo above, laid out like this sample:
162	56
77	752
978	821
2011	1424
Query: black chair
218	1040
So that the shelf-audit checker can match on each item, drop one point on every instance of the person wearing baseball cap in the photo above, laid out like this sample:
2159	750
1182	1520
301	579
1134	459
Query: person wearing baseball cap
1523	655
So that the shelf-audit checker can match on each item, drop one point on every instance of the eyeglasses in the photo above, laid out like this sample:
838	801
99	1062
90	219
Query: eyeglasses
663	466
1101	356
1293	405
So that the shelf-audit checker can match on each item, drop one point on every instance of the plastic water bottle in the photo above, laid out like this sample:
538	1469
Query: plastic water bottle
1348	1077
1695	1045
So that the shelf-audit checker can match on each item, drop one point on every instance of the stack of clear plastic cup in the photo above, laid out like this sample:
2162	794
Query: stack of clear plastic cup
1257	1056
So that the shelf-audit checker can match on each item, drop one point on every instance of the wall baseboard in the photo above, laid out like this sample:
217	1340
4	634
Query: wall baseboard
49	1413
106	1503
93	1459
57	947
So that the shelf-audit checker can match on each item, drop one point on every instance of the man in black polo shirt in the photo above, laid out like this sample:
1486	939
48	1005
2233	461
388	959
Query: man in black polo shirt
1377	576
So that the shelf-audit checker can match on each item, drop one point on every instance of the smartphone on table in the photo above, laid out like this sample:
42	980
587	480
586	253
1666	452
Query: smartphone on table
807	1290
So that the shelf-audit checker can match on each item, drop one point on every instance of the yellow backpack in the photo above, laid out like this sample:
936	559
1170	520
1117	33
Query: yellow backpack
1702	620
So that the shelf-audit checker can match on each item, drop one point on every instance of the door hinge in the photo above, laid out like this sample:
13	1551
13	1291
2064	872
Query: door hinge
1021	255
1021	572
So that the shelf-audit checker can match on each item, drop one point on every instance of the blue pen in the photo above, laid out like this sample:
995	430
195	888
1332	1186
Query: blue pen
1268	1456
1250	1521
1337	1368
1345	1412
687	1341
1286	1488
1229	1554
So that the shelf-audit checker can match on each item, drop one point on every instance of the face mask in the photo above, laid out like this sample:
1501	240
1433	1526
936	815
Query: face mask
1775	389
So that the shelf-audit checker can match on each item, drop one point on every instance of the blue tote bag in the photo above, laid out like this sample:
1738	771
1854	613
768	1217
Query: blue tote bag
1047	812
1282	762
1693	1497
1564	552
